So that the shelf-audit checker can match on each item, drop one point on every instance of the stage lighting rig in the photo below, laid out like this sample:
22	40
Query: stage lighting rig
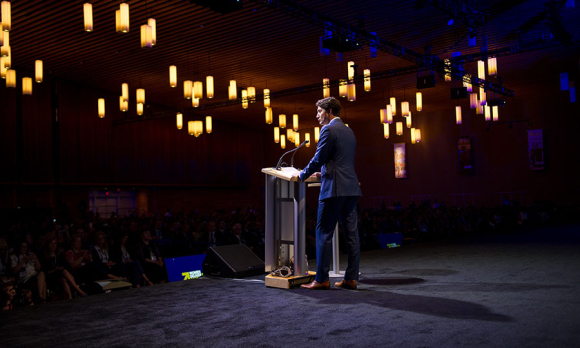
340	44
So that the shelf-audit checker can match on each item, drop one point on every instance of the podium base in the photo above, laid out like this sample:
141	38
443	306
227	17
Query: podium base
289	282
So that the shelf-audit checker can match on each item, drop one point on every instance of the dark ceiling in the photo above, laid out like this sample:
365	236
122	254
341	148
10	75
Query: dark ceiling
267	46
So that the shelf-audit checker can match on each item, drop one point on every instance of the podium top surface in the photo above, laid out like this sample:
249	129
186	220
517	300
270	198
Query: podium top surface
286	173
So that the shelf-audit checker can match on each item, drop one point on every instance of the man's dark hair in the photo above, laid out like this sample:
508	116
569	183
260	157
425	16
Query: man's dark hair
329	104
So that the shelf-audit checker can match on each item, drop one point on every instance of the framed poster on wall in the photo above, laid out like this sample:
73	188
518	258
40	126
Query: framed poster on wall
400	161
464	153
536	149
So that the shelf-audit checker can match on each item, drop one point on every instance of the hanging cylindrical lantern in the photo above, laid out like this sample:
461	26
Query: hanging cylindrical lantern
124	18
389	114
198	128
405	109
351	91
492	66
198	89
419	101
179	120
482	97
252	94
153	24
386	130
139	109
6	16
190	128
118	21
1	35
3	68
276	135
296	139
350	70
283	141
487	110
282	121
195	102
494	112
307	138
394	106
412	135
367	79
417	135
316	134
342	89
27	86
269	115
38	71
447	69
88	14
146	36
295	122
101	107
409	121
266	98
325	88
399	126
140	96
481	69
245	98
233	90
187	89
383	115
290	135
123	104
208	125
479	110
458	114
209	86
5	49
467	82
172	76
11	78
473	100
125	91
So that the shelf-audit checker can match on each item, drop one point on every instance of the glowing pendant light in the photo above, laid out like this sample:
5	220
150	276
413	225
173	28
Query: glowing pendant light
172	76
179	120
458	114
473	100
351	91
266	98
3	68
190	128
198	128
209	86
252	94
290	135
195	102
492	66
123	104
187	89
350	70
296	139
394	106
101	107
386	130
482	98
389	114
269	115
405	109
295	122
27	86
38	71
479	110
417	135
11	78
146	36
153	24
409	121
282	141
139	109
487	113
412	135
383	115
6	16
245	98
399	126
125	91
208	125
282	121
494	112
481	69
88	13
124	18
316	134
1	35
325	88
118	21
198	89
447	70
233	90
276	135
5	49
307	138
342	89
140	96
419	101
467	84
367	79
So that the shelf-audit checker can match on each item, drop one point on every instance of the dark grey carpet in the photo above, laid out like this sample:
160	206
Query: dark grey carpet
513	290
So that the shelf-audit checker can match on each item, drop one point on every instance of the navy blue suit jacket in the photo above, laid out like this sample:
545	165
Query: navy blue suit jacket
335	156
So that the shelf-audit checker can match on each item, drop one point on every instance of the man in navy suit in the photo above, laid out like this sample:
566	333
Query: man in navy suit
339	192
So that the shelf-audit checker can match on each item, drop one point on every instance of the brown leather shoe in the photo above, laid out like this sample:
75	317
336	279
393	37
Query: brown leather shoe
346	284
316	285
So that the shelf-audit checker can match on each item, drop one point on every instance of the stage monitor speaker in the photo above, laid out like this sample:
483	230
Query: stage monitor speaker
232	261
459	93
426	81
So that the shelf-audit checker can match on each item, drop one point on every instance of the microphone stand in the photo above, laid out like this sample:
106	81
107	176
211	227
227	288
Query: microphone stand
294	150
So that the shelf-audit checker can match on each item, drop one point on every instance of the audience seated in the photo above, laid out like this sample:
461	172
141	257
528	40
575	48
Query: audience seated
101	257
26	269
132	267
54	266
150	258
80	262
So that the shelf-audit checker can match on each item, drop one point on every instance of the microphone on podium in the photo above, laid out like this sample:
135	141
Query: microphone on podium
287	152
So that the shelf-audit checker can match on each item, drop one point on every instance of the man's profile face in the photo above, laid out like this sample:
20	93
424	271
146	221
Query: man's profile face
322	116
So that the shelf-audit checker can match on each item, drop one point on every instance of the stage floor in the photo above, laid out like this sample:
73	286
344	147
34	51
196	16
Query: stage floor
520	289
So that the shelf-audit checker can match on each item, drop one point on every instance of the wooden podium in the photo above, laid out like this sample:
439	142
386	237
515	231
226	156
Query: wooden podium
285	226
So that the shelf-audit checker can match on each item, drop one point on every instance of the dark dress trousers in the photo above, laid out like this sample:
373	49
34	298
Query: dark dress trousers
339	192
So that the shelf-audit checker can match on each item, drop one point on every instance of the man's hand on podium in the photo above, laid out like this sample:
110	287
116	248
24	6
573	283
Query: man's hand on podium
316	175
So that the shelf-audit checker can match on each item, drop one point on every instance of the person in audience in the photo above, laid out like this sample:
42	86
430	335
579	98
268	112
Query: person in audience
132	266
150	258
212	236
27	271
4	258
80	262
57	277
101	256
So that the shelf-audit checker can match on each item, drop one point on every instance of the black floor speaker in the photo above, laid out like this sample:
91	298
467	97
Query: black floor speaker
232	261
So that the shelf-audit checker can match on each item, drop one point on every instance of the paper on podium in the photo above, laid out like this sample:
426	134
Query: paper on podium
287	173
